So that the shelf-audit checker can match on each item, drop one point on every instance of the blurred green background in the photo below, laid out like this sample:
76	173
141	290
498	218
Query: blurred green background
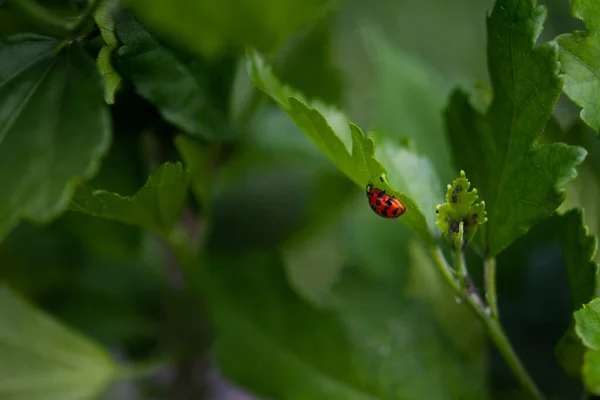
281	209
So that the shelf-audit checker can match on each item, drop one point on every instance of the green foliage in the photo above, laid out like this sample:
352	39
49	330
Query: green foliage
155	206
48	96
42	359
358	352
461	214
211	27
587	326
580	61
344	144
106	24
518	178
173	81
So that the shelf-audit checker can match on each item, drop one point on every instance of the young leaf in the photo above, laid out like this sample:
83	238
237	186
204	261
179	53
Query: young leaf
372	343
54	126
344	144
518	178
42	359
580	61
587	326
175	86
155	206
211	27
104	20
461	214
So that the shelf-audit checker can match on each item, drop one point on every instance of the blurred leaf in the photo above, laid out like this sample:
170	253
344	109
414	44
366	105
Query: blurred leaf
155	206
104	20
569	352
42	359
212	27
587	326
461	214
591	371
409	99
47	99
580	61
197	159
163	76
342	142
308	63
517	178
374	343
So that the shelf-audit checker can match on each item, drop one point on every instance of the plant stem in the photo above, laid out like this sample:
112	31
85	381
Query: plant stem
492	324
84	18
489	266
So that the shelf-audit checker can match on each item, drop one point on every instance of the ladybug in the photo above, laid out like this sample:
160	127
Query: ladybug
383	204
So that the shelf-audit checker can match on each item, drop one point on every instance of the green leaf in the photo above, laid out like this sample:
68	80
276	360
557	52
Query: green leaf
212	27
580	63
587	326
42	359
518	178
579	249
197	159
371	343
349	149
461	214
104	20
175	83
591	371
156	206
54	126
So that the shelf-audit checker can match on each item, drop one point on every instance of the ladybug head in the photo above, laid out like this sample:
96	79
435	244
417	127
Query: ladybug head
369	188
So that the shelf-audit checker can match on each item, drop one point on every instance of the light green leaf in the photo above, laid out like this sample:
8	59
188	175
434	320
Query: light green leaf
580	61
372	343
176	83
104	20
591	371
155	206
347	146
518	179
54	126
44	360
212	27
587	326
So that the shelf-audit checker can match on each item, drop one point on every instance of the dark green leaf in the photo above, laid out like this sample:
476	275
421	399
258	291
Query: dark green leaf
104	20
579	250
54	126
155	206
580	61
163	76
591	371
373	342
42	359
197	159
354	153
518	179
211	27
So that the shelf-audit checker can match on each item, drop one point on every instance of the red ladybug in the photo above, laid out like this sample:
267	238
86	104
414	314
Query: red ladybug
383	204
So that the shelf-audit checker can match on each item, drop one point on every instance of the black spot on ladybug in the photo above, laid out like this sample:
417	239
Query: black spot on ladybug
454	227
380	194
378	202
458	189
373	206
454	199
386	208
388	202
395	211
